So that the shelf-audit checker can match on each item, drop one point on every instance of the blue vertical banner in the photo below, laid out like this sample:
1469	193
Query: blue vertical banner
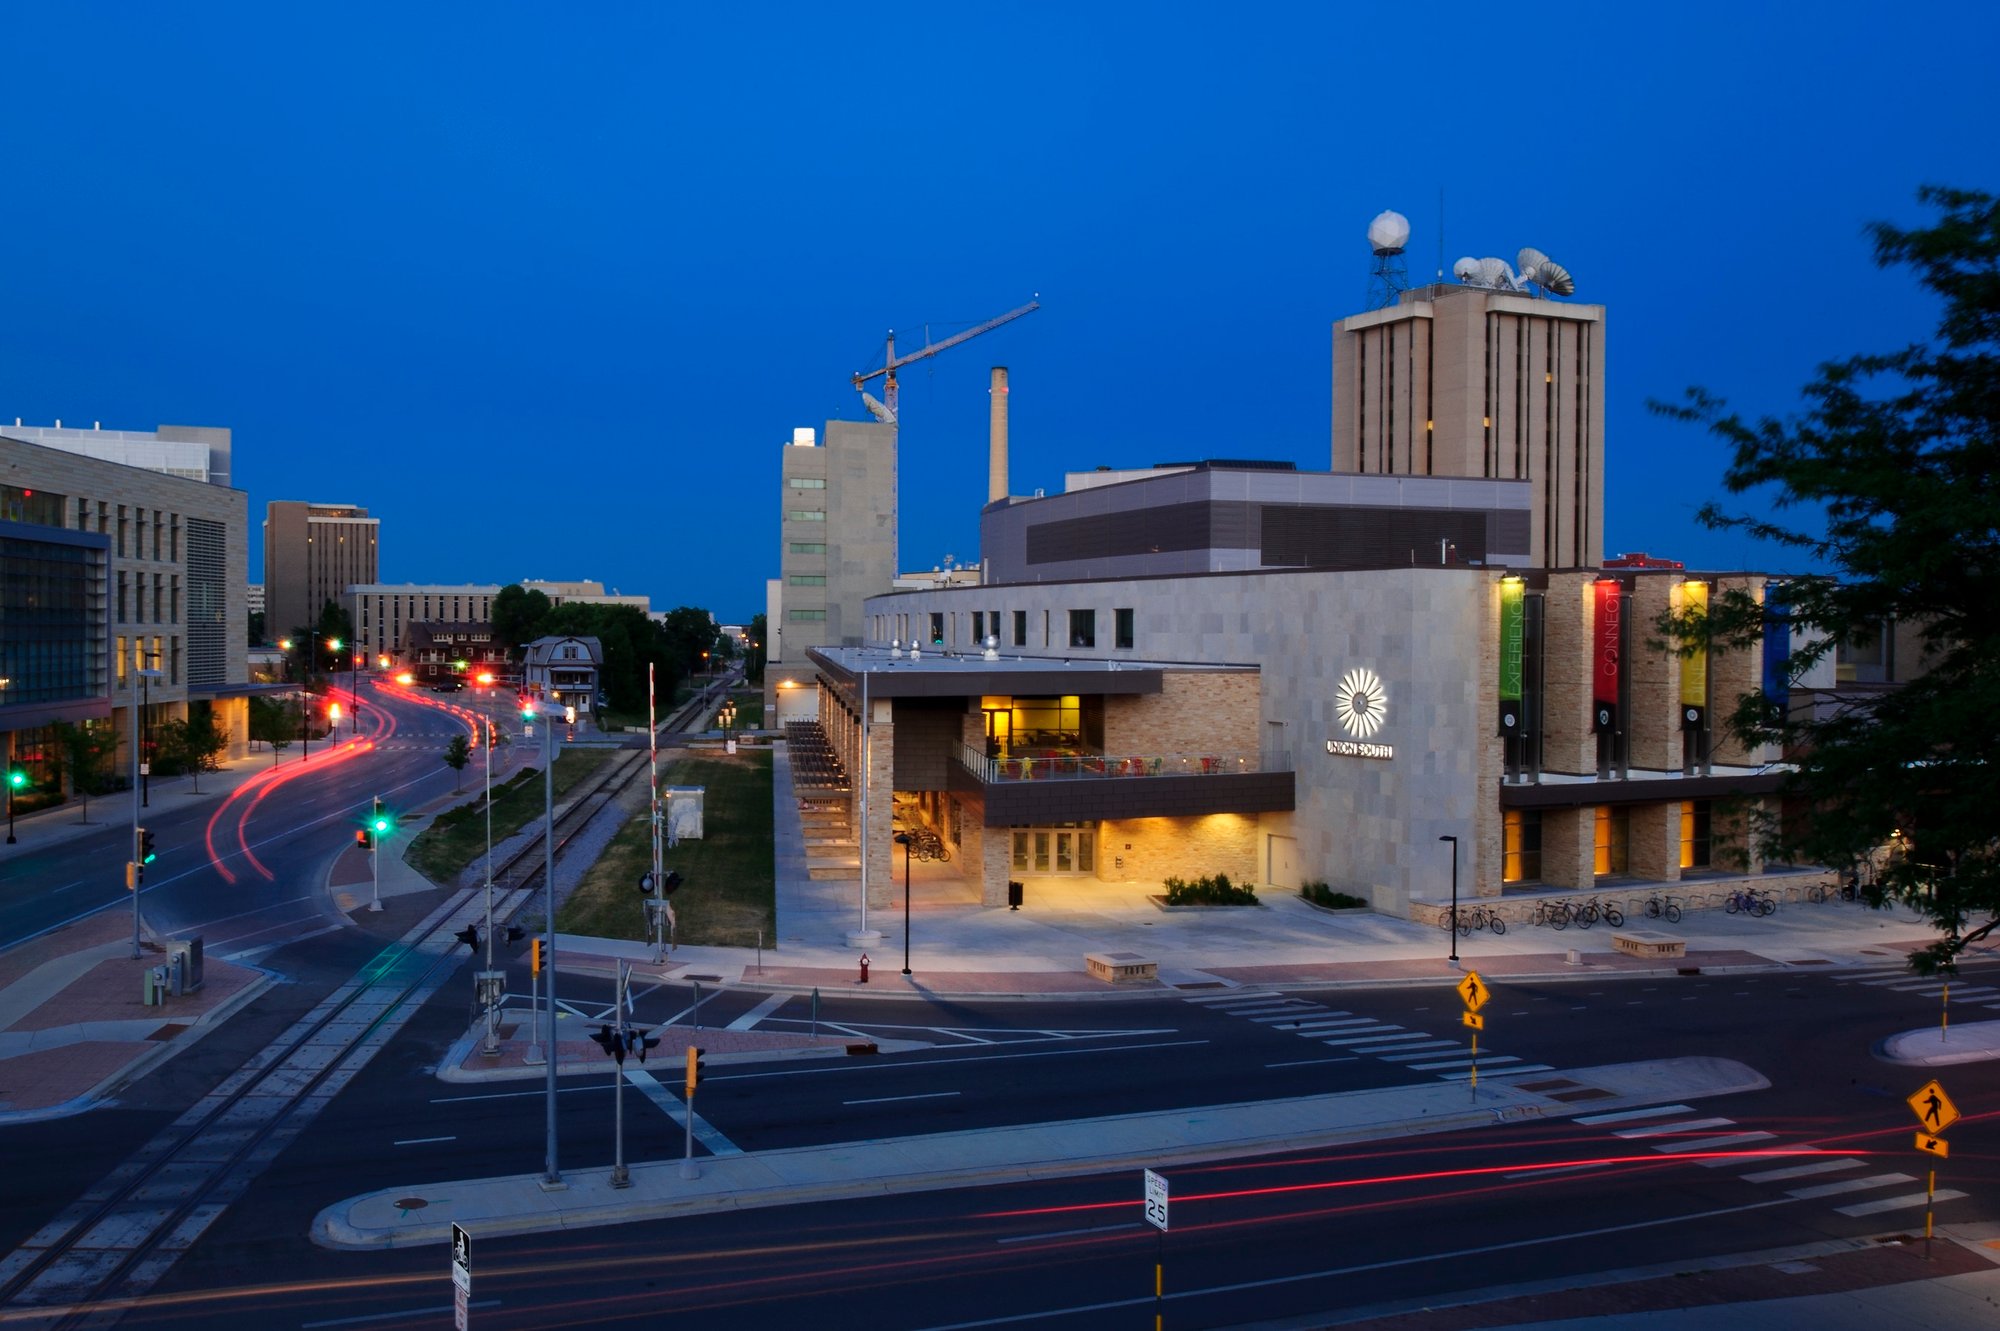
1778	646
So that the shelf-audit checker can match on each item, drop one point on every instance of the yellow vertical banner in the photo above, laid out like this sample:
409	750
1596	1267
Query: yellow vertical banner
1694	668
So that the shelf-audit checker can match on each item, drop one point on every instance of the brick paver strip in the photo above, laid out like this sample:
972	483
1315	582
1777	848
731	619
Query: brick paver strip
52	1076
113	991
1530	963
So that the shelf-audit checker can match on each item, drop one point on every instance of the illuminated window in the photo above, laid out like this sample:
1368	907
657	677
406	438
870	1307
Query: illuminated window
808	547
1521	857
807	515
808	483
1614	839
1694	834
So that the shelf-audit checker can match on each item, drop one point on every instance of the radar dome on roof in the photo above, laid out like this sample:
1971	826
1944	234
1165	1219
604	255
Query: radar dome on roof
1389	232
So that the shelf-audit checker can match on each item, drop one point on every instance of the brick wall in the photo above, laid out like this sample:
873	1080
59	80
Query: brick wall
1194	713
1164	848
1569	744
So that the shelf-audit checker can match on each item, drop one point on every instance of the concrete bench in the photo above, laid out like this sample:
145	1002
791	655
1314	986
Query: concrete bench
1639	943
1121	967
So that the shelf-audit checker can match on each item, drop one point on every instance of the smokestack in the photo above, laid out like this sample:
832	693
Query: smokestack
996	475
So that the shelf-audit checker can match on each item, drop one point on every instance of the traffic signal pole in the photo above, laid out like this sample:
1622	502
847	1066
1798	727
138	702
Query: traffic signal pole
552	1178
132	738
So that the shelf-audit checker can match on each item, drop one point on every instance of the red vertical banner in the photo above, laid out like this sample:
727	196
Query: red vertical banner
1606	654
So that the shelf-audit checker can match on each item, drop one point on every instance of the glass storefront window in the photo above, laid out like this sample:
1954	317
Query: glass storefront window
1521	852
1613	841
1695	834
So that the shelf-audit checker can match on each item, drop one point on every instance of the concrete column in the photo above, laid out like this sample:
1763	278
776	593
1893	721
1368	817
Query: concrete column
877	844
996	479
1569	847
1731	675
1654	726
1656	842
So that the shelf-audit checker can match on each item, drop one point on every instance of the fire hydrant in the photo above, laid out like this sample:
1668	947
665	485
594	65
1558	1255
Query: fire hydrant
864	968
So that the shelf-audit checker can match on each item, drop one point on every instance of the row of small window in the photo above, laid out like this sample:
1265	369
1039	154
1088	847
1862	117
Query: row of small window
988	623
163	612
1521	848
146	654
807	483
806	515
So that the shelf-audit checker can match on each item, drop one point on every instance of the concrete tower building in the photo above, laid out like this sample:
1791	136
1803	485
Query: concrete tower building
838	519
1467	381
312	554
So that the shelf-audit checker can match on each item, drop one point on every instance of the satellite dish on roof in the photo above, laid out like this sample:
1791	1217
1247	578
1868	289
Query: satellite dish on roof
1389	232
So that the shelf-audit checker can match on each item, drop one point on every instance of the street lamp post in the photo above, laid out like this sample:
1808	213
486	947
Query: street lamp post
16	778
1454	899
904	839
132	737
548	714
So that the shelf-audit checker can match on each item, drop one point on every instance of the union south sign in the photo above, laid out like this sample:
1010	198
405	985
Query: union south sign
1362	705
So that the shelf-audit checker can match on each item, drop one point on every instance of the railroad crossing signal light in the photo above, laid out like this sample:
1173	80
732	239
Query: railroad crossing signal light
535	956
611	1042
469	936
642	1042
670	884
142	845
515	933
694	1068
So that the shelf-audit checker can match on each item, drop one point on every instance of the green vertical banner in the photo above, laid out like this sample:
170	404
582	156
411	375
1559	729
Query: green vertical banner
1694	668
1512	627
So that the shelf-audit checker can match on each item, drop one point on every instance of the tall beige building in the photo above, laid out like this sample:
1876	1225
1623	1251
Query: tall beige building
1468	381
312	554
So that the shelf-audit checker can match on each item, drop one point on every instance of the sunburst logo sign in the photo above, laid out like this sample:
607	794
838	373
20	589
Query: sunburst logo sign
1362	705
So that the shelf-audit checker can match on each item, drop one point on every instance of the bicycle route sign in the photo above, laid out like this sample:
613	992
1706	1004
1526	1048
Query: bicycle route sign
1156	1201
1472	990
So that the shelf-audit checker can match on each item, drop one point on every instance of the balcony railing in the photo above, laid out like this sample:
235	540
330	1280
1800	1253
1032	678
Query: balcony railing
1100	766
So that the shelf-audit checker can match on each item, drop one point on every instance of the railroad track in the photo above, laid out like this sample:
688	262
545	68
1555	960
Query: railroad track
103	1253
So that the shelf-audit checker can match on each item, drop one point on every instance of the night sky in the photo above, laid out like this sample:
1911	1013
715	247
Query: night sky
546	287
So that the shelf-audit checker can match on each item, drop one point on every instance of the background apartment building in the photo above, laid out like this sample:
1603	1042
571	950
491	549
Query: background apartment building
312	554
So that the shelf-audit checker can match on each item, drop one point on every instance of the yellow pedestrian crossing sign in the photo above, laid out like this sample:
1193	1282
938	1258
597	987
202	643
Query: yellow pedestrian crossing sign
1930	1145
1473	990
1474	1020
1934	1108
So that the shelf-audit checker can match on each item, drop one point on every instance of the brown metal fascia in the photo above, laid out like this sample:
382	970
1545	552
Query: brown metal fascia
1587	794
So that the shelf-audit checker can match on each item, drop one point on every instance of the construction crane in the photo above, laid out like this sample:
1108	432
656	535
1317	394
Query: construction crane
885	410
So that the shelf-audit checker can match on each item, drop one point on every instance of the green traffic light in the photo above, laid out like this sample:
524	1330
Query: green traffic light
17	778
381	824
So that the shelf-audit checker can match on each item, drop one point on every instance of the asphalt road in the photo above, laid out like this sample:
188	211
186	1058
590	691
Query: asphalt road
1353	1229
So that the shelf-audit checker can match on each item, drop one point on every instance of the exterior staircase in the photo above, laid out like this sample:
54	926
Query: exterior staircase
820	784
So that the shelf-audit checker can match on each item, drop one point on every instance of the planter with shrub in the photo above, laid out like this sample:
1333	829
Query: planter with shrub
1319	894
1207	891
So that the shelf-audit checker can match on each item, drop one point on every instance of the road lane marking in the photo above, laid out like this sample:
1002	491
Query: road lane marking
422	1141
892	1099
748	1021
1700	1144
1309	1062
704	1131
1069	1233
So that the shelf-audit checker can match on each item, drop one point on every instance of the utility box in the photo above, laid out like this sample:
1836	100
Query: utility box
683	813
184	963
153	985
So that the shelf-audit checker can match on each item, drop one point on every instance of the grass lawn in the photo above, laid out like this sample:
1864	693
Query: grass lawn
749	708
458	837
729	877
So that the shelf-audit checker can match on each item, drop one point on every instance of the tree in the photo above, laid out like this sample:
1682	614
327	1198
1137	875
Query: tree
275	722
335	624
82	751
754	655
1891	467
518	617
193	745
456	755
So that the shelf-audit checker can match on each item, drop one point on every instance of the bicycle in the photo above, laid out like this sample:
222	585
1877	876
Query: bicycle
1595	908
1750	902
1555	914
928	845
1470	918
1660	906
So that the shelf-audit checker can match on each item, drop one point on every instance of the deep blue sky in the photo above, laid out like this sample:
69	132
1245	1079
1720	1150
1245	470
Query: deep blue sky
547	287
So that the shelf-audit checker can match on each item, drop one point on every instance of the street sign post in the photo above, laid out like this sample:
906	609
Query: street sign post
1933	1108
1472	991
1156	1201
1930	1145
461	1278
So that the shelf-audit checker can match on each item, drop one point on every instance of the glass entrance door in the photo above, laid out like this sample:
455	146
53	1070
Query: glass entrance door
1055	850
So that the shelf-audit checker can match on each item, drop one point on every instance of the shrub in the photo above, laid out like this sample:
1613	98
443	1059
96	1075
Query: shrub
1215	891
1322	895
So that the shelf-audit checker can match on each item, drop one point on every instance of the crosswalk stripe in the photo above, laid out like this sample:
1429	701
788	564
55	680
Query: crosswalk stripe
1344	1023
1848	1185
1716	1143
1904	1202
1627	1115
1388	1033
1662	1129
1802	1171
1490	1060
1293	1015
1404	1053
1513	1071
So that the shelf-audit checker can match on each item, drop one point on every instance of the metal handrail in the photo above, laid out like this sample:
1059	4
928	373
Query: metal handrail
1101	766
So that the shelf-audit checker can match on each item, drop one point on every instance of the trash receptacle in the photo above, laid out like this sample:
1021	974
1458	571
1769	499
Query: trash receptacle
1013	895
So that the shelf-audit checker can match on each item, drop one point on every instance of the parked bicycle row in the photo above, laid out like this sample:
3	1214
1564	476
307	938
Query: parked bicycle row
1562	912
